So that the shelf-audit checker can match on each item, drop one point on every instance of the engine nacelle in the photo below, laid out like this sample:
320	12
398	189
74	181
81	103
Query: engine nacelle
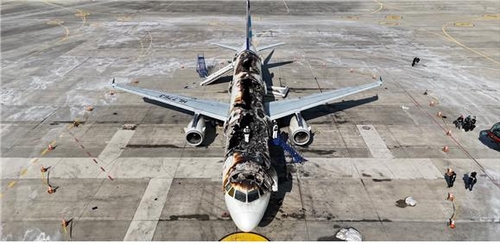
195	131
300	131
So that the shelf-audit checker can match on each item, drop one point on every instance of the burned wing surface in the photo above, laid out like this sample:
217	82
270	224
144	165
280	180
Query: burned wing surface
300	131
195	130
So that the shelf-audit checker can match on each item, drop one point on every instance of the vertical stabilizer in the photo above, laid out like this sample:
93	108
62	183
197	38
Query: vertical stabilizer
248	40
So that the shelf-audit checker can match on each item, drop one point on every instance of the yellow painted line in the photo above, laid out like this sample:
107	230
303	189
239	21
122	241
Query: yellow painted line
393	17
83	15
60	23
23	172
150	40
491	16
244	236
464	46
142	48
11	184
351	17
66	34
464	24
1	195
380	8
34	161
44	179
388	23
45	151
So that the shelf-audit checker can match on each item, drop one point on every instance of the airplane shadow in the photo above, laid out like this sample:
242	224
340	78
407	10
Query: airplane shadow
328	109
210	135
285	183
487	141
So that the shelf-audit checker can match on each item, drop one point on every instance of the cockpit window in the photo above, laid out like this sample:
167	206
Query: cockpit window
240	196
230	190
253	195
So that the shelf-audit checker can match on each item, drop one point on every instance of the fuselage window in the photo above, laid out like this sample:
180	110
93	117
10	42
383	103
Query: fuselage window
253	195
240	196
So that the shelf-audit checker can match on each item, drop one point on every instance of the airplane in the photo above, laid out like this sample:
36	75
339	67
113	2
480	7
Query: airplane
248	178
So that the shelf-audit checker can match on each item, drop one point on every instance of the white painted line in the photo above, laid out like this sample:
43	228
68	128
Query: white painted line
143	225
115	146
375	143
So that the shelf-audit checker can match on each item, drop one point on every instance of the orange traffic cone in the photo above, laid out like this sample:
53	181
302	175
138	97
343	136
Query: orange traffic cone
446	149
51	190
43	169
352	70
452	223
50	147
448	132
439	114
64	223
431	103
450	197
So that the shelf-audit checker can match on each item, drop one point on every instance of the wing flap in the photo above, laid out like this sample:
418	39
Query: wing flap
283	108
212	109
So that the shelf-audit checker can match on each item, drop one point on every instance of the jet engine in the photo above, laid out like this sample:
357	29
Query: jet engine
300	131
195	131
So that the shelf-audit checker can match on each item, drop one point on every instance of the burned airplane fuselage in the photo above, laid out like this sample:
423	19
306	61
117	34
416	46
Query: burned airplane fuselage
247	174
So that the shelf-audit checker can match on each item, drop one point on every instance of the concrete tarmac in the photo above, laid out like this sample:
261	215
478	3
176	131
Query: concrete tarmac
369	150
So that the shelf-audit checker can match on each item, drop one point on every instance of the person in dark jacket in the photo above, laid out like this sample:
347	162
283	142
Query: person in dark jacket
472	180
450	177
415	61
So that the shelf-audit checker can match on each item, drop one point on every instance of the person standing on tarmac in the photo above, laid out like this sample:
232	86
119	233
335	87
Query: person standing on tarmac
415	61
450	177
472	180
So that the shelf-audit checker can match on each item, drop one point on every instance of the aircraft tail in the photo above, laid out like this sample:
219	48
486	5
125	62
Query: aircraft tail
248	37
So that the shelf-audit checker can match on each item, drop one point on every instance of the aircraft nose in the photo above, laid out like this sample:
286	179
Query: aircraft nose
246	222
247	215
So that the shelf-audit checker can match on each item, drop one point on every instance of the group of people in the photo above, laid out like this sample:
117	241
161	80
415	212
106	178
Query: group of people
469	180
468	124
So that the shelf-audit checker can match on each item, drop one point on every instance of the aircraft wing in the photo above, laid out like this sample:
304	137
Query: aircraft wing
208	108
283	108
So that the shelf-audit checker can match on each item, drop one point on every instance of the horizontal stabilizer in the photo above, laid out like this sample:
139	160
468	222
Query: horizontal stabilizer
227	47
269	46
213	77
